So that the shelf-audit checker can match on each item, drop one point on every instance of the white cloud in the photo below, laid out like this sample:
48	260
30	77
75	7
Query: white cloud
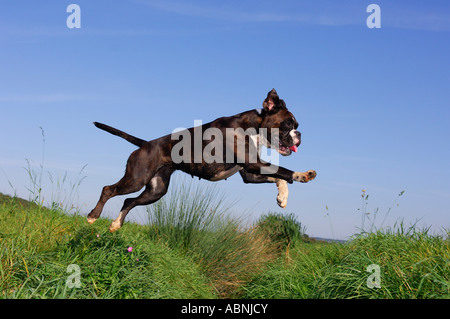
221	13
43	98
394	15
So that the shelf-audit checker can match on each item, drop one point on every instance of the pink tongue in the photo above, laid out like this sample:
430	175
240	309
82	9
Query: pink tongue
293	148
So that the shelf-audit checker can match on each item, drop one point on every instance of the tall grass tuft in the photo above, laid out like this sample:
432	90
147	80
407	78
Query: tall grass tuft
282	230
187	213
369	219
61	197
197	220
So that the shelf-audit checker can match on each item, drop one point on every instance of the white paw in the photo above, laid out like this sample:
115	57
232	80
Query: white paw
115	225
283	193
91	220
304	177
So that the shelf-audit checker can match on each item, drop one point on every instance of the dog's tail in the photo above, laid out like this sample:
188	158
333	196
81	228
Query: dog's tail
130	138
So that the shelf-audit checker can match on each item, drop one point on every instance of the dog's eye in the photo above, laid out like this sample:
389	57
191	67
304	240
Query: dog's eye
290	122
294	122
285	125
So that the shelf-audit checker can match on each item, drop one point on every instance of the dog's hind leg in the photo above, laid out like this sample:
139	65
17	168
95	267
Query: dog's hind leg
155	189
136	176
122	187
107	193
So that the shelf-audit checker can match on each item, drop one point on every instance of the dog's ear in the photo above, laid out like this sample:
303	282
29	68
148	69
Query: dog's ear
273	103
271	100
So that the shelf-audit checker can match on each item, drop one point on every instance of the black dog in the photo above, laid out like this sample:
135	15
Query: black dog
234	148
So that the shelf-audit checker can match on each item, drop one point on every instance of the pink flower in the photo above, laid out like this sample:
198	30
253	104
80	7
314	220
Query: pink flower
130	249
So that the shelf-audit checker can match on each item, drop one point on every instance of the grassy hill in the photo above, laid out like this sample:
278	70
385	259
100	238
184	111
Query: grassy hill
37	245
196	251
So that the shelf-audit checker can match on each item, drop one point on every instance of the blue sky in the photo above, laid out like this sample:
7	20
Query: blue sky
372	104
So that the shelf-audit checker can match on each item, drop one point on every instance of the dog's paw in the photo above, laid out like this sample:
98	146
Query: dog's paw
115	225
91	220
283	193
304	177
91	217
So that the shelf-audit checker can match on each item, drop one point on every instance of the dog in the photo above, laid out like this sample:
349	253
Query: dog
197	153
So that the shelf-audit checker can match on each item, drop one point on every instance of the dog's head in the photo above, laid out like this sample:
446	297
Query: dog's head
281	125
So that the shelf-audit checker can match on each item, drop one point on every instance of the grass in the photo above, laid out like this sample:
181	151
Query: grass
221	259
37	245
413	264
283	230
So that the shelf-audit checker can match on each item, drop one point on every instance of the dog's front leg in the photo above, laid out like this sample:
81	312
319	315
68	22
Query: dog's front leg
280	176
304	177
283	190
283	193
262	168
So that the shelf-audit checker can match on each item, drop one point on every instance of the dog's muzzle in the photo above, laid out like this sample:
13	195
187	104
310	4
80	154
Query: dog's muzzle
296	140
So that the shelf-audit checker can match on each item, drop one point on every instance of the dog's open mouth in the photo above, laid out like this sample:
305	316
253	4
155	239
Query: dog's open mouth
286	150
